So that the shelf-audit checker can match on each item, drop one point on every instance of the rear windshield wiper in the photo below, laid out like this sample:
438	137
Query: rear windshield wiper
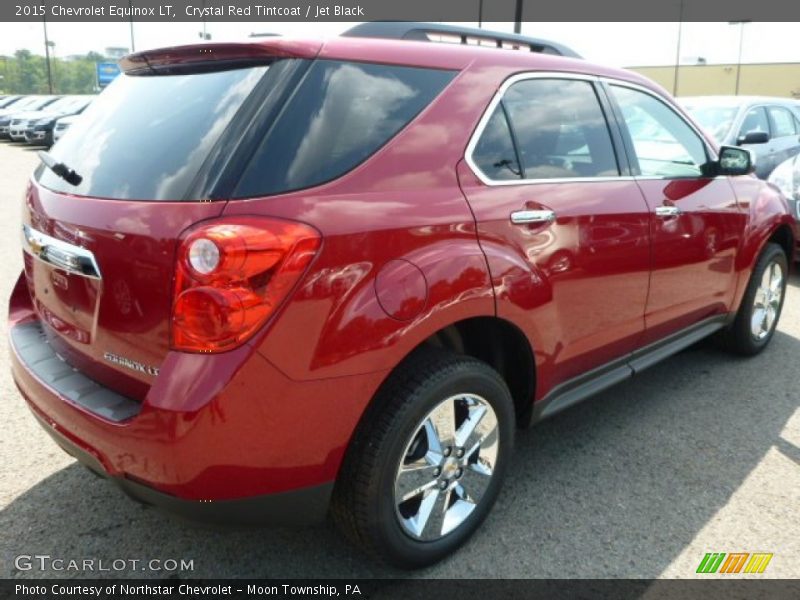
60	169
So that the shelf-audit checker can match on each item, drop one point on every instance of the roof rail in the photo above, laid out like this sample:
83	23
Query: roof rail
437	32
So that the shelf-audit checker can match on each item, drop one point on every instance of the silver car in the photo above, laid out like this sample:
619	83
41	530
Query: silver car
786	177
770	127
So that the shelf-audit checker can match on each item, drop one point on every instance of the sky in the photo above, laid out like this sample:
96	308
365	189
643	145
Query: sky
614	44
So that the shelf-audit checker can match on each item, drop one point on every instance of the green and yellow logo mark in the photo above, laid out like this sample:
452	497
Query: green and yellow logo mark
734	562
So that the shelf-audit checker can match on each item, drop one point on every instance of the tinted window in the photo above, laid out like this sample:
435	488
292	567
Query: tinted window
146	137
340	114
665	145
560	129
754	120
494	153
783	121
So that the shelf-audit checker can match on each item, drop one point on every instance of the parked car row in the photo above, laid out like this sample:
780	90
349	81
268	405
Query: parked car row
770	127
35	119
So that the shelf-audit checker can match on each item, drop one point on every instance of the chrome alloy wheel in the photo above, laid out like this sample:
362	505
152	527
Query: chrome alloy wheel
446	467
767	301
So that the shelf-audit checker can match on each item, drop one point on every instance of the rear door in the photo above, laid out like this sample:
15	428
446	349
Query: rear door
696	224
566	235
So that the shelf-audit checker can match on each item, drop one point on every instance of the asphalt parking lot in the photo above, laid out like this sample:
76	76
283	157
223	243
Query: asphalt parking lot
700	454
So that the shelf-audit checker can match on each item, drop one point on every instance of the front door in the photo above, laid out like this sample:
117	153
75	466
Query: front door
696	224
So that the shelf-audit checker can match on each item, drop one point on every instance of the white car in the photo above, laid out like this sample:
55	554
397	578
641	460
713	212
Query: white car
786	177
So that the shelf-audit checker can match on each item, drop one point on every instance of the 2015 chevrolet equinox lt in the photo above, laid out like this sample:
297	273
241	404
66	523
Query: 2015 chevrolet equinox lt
265	280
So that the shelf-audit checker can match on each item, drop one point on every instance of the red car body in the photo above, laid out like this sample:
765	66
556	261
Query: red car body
413	243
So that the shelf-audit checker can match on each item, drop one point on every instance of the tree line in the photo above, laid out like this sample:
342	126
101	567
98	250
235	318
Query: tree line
26	73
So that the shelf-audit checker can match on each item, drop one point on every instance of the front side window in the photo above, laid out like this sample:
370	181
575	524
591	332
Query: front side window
560	129
663	143
755	121
783	121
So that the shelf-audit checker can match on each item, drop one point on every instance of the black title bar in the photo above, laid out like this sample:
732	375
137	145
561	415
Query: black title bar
396	10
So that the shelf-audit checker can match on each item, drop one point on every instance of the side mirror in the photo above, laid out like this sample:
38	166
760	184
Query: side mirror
736	161
753	137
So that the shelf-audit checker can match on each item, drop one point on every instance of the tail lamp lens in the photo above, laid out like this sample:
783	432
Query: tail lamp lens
231	276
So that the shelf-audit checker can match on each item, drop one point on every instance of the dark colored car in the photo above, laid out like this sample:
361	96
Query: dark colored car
18	110
39	131
770	127
267	280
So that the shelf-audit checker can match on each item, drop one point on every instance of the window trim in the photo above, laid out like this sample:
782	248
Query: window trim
598	84
498	98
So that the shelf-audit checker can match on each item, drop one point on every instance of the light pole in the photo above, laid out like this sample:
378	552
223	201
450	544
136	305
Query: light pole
52	45
741	25
47	56
518	17
480	14
203	35
133	43
678	50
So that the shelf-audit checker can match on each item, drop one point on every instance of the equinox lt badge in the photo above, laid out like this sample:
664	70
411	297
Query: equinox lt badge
130	364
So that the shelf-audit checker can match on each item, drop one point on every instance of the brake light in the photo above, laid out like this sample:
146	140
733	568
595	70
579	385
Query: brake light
231	276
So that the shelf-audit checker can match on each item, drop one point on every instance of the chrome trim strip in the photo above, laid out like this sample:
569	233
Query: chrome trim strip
59	253
473	142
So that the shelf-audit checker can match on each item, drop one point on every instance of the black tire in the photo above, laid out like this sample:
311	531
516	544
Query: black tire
738	337
363	504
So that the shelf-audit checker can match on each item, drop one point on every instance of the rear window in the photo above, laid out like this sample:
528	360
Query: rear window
146	137
341	114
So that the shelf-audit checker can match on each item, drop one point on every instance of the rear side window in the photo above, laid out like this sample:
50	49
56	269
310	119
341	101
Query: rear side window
783	121
146	137
341	114
560	129
494	153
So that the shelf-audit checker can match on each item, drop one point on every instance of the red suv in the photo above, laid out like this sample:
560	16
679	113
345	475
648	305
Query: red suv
265	280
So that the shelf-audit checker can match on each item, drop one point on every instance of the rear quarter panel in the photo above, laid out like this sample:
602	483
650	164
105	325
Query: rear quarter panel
402	204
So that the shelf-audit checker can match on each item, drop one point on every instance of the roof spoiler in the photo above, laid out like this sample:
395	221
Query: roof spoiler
437	32
199	58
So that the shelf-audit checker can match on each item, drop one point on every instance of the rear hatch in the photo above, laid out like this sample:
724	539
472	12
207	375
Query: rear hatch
149	153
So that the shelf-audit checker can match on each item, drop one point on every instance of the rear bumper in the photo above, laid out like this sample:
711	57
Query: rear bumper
297	507
224	437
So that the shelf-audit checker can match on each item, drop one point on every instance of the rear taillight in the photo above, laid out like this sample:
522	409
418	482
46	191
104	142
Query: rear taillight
231	276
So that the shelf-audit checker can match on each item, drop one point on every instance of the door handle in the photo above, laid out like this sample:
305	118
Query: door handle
523	217
668	211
